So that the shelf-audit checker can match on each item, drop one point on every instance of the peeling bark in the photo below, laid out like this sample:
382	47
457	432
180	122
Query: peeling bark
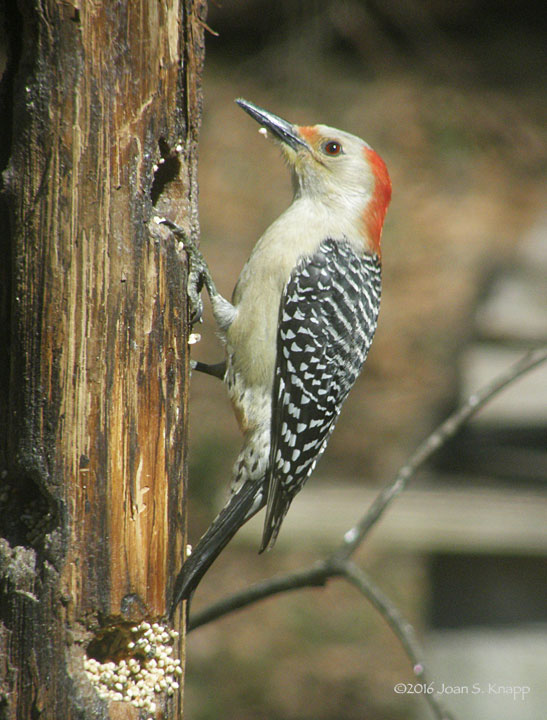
104	107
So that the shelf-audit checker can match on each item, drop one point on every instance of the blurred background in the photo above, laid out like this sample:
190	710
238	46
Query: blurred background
452	95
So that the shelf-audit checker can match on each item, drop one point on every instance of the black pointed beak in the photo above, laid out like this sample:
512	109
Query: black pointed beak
282	129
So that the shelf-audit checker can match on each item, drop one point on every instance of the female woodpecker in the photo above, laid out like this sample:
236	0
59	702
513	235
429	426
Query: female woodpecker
299	327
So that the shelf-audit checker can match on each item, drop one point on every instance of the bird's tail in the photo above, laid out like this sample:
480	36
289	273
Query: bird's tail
240	508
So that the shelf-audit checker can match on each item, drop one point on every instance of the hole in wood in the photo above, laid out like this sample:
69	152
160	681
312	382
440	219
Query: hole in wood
167	170
27	514
111	644
134	664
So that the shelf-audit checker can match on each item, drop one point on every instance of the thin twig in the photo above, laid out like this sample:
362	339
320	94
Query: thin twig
402	629
354	537
314	576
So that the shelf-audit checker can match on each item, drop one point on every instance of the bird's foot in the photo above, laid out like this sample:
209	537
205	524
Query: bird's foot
198	271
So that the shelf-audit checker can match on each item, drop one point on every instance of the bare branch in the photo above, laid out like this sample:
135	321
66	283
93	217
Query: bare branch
354	537
338	563
315	576
401	628
333	565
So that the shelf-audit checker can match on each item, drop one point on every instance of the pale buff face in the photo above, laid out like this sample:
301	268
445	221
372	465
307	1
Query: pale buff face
339	170
332	168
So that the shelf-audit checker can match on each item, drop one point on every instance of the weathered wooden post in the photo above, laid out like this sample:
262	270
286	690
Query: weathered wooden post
99	118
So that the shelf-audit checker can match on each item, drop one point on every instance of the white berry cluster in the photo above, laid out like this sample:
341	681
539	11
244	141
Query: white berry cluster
148	670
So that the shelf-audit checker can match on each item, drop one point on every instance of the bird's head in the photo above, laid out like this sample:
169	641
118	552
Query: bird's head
334	168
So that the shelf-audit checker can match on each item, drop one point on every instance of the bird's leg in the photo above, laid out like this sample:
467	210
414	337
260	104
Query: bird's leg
198	271
199	276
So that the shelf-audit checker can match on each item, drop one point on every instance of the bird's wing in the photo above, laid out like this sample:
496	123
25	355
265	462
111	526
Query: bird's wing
327	318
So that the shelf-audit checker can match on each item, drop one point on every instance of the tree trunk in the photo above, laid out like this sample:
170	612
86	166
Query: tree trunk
99	117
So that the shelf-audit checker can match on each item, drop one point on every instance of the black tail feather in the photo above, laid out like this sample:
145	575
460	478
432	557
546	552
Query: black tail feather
234	514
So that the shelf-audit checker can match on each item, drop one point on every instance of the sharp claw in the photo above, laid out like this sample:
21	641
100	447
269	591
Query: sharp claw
176	229
188	243
197	272
195	285
196	311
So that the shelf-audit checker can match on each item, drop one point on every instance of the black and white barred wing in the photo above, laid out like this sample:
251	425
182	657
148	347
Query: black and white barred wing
327	319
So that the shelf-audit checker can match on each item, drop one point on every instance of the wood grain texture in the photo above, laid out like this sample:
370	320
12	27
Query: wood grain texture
106	109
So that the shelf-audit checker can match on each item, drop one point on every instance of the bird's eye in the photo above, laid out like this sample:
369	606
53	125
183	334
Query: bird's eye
332	147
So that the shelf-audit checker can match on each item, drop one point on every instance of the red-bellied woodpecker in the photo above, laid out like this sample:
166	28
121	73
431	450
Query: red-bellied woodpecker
299	326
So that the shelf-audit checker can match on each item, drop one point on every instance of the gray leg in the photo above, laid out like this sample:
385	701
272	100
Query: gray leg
199	275
198	272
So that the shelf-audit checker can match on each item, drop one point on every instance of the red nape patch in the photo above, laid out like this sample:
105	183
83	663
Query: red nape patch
375	212
308	132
